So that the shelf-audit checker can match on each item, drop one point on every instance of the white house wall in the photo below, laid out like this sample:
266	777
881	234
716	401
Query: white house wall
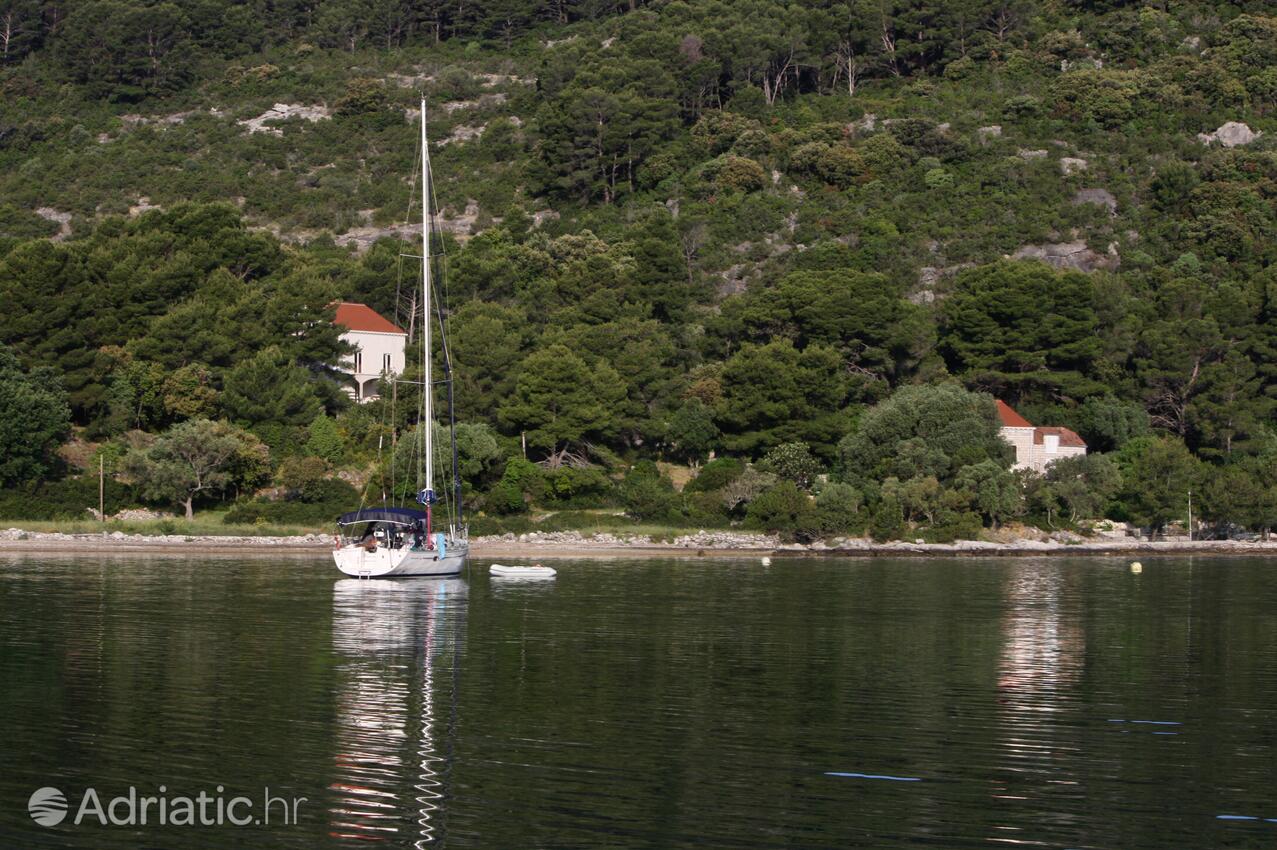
373	349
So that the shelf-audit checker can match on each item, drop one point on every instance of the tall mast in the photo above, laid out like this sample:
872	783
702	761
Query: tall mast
427	387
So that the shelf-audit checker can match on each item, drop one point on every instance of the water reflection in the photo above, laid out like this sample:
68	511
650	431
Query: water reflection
1042	650
396	647
1039	669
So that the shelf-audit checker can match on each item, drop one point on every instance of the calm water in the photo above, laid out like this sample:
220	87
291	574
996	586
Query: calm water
1047	703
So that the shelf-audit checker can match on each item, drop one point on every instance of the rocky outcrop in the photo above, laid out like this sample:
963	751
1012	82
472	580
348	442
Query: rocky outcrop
493	99
1071	255
929	277
61	219
1231	135
282	112
143	205
1101	197
135	120
1073	164
866	124
461	226
540	217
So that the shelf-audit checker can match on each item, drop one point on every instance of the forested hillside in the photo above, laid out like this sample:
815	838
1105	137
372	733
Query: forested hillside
810	238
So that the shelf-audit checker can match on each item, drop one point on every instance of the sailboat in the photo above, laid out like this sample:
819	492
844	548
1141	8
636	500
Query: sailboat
378	542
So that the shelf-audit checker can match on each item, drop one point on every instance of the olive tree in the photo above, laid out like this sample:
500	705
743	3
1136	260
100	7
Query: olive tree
195	458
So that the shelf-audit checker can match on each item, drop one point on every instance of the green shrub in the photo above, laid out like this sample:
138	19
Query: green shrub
838	507
705	510
1109	98
505	498
888	521
522	483
792	462
716	131
303	476
786	510
716	474
327	500
70	498
649	496
883	155
960	69
740	174
581	521
938	179
323	439
571	486
953	526
836	164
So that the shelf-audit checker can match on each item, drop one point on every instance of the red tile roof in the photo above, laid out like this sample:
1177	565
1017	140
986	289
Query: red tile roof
1067	437
1010	419
361	317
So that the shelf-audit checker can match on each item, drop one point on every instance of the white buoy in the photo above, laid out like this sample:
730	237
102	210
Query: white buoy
766	561
1137	567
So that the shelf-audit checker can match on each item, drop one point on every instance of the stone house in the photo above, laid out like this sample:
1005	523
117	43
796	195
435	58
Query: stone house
379	348
1036	447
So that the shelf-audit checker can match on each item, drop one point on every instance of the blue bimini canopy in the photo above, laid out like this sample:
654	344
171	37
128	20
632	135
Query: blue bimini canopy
399	516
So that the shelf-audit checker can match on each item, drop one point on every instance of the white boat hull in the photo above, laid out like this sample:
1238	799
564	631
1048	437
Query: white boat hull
381	562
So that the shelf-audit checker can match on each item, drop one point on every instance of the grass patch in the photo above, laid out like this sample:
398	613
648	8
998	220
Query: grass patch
586	522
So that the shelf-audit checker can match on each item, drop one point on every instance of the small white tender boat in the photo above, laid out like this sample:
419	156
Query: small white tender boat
508	571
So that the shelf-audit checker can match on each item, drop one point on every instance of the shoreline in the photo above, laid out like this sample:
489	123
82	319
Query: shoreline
576	545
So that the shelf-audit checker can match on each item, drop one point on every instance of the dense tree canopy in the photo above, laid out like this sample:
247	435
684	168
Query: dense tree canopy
34	419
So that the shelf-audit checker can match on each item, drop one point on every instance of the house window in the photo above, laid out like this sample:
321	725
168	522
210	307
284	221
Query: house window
385	363
359	362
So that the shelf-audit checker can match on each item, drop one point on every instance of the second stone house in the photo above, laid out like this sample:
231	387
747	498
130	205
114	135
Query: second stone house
1036	447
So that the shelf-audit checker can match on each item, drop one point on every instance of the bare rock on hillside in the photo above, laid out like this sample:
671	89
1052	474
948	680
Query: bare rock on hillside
540	217
1026	154
493	80
1102	197
143	205
461	134
866	124
1071	255
929	277
1073	164
62	219
410	81
1230	135
993	131
483	100
282	112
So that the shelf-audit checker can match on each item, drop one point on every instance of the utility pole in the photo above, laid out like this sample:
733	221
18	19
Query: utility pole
101	489
1190	515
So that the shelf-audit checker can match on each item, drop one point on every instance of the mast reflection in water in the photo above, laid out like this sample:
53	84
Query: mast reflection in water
396	644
